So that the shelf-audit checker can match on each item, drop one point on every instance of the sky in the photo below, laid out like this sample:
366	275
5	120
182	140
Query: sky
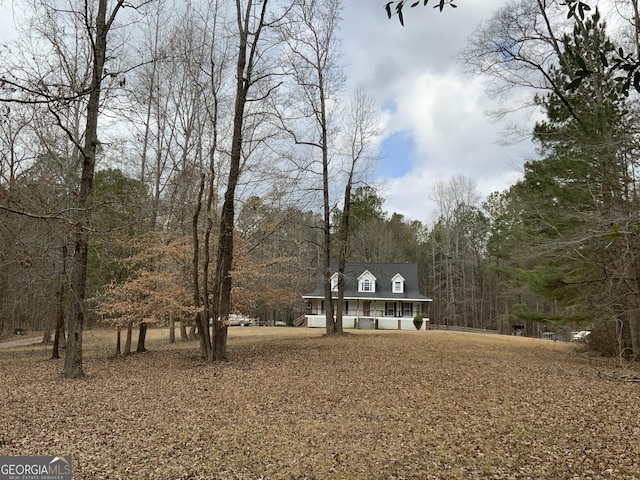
435	118
5	22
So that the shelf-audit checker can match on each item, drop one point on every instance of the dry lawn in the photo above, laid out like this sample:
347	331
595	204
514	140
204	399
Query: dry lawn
293	405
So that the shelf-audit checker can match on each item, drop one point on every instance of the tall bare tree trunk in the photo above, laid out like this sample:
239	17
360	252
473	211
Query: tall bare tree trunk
208	351
183	332
200	319
59	333
362	128
221	289
326	244
151	93
46	336
73	367
316	70
172	329
119	342
142	336
342	255
127	345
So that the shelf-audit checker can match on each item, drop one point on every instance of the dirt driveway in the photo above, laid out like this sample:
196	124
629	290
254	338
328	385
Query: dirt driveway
21	341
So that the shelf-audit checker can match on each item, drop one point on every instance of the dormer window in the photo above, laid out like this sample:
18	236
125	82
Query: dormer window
397	284
334	282
366	282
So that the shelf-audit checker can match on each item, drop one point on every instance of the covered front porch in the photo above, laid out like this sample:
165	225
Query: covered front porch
367	323
370	314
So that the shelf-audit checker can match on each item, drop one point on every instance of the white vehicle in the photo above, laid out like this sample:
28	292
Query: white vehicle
239	320
580	336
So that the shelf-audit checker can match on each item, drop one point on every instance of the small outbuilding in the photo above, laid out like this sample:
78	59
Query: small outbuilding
517	330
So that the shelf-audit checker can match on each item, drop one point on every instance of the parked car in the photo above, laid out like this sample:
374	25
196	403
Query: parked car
239	320
580	336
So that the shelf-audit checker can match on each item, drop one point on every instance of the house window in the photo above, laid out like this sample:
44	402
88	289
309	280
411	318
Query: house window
366	282
334	282
407	309
390	309
397	283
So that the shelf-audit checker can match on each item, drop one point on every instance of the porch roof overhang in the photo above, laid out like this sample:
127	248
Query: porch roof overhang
386	299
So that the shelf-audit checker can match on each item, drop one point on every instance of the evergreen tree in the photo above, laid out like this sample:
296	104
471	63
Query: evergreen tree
577	203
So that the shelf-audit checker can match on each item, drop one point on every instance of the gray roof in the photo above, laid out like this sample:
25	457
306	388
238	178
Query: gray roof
383	272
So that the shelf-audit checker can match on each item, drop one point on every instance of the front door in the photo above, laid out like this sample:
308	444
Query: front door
366	308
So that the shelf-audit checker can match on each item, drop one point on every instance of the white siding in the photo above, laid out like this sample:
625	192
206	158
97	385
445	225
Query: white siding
388	323
319	321
407	324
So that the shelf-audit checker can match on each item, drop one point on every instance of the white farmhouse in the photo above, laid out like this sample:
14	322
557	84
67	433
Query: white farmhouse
381	296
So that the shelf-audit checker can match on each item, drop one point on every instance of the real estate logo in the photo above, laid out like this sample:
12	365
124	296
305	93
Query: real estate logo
36	468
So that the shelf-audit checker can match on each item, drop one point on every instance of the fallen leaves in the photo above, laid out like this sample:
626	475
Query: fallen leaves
292	405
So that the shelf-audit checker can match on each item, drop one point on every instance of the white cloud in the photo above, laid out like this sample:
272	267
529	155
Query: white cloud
444	112
446	116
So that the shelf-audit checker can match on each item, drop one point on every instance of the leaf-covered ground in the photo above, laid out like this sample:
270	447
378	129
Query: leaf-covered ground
290	404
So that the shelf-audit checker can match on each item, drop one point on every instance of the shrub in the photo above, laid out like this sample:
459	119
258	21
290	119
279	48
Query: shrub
417	322
606	338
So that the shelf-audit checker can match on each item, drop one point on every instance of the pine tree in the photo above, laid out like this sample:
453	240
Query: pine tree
577	203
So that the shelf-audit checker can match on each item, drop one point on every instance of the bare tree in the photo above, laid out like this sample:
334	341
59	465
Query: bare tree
162	97
362	127
455	199
100	24
210	76
252	23
312	37
517	48
37	81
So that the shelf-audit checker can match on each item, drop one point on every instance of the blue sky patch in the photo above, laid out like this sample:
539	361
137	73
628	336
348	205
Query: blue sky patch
397	154
390	105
